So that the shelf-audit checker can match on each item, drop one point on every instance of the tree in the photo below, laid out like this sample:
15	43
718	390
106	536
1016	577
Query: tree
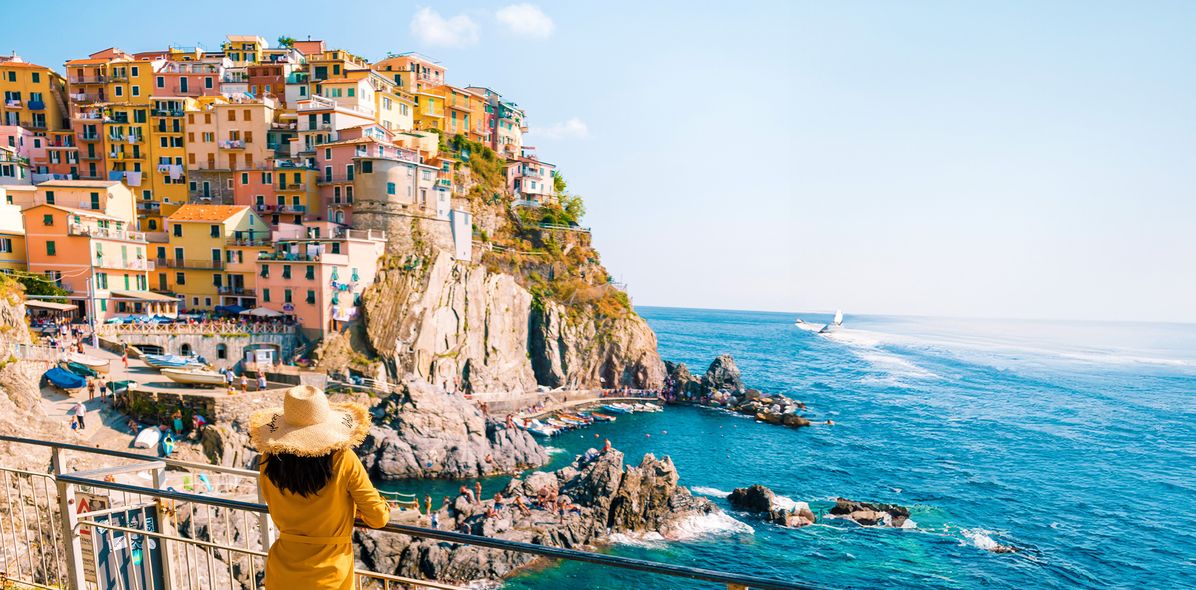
558	183
285	41
36	285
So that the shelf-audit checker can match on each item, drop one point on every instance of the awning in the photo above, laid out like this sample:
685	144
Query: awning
262	312
50	305
145	296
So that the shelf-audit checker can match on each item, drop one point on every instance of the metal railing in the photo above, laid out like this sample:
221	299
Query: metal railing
156	536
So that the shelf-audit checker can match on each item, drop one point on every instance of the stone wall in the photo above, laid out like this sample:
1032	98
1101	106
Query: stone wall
206	345
156	407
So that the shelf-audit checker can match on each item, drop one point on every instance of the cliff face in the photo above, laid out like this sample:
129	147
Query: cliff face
462	326
592	351
20	398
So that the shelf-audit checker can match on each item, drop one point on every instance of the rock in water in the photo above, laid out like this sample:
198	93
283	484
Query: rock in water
599	497
723	376
756	498
425	432
870	514
761	500
681	380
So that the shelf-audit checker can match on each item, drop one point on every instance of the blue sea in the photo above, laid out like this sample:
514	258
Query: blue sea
1073	442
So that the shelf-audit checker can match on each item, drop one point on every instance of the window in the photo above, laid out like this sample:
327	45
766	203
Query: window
311	272
178	230
119	91
51	250
266	295
134	71
136	91
47	220
232	115
390	188
286	295
265	271
311	296
153	225
6	245
207	83
37	77
336	247
49	197
101	280
160	82
180	278
221	351
349	172
244	178
367	167
286	271
215	231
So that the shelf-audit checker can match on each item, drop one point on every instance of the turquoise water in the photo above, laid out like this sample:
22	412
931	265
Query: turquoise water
1075	442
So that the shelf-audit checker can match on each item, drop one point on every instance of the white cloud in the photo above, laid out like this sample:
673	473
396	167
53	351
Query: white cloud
430	28
574	128
526	20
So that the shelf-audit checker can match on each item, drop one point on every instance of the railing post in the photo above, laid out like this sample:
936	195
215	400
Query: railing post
70	522
166	526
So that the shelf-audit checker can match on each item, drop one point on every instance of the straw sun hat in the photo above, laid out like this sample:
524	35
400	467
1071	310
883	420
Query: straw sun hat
308	425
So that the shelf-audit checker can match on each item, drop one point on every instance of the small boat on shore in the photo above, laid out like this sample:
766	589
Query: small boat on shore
194	376
95	364
147	439
170	361
65	380
602	417
83	371
617	408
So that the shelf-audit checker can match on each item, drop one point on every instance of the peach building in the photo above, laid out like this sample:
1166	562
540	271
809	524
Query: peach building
317	273
96	257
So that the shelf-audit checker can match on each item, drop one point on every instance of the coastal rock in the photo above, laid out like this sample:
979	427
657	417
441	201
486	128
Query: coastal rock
723	376
463	327
599	496
755	498
425	432
680	380
870	514
758	499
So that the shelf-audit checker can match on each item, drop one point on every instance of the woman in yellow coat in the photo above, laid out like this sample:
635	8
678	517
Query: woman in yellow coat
314	485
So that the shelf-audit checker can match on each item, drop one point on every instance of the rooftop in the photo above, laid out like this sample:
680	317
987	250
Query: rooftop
192	212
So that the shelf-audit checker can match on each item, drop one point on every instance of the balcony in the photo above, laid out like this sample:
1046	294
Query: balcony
167	113
97	79
196	264
148	206
37	105
76	229
239	290
232	144
120	264
12	104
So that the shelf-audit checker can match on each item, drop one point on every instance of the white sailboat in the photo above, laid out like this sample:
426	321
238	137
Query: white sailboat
838	321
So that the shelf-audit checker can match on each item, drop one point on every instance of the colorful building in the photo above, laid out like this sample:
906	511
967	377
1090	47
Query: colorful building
317	273
202	243
34	96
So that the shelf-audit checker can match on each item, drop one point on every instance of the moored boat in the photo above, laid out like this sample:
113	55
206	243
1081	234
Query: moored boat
602	417
65	380
96	364
170	361
194	376
79	369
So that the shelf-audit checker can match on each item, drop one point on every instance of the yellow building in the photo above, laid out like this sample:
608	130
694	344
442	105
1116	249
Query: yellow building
12	236
244	50
34	96
430	107
458	117
205	257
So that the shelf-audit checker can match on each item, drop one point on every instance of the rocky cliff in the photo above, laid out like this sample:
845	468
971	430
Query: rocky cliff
465	327
578	505
425	432
20	398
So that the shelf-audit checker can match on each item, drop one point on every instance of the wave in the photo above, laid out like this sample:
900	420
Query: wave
715	523
708	491
867	347
980	538
553	450
652	540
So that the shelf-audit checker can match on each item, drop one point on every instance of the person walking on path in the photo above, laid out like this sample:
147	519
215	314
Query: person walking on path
261	381
244	383
91	388
314	485
79	411
124	359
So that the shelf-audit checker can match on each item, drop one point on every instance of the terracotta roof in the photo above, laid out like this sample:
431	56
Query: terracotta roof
88	61
191	212
21	64
81	212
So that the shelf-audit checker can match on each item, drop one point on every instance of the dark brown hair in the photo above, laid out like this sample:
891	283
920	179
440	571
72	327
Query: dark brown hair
304	476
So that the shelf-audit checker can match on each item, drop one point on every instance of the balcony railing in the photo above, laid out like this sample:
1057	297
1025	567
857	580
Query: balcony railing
76	229
232	144
223	557
120	264
189	263
12	104
37	105
97	79
167	112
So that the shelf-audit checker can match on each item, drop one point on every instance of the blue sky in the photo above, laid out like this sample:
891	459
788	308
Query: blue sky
1014	159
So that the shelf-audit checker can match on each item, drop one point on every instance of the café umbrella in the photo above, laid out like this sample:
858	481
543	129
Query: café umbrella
262	312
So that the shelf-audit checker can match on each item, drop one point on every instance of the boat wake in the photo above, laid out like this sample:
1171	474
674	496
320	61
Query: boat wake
708	491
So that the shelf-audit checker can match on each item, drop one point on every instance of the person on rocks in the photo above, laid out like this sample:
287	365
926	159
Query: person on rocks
244	383
428	505
606	447
523	509
314	486
468	493
261	381
477	486
444	505
198	423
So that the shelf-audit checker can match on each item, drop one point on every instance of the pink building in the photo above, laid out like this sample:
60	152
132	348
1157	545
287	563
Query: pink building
530	179
317	273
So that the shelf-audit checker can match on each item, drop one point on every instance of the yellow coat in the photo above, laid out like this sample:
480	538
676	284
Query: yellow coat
315	550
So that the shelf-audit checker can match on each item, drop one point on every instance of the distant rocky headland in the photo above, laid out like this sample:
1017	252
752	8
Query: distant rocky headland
722	387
